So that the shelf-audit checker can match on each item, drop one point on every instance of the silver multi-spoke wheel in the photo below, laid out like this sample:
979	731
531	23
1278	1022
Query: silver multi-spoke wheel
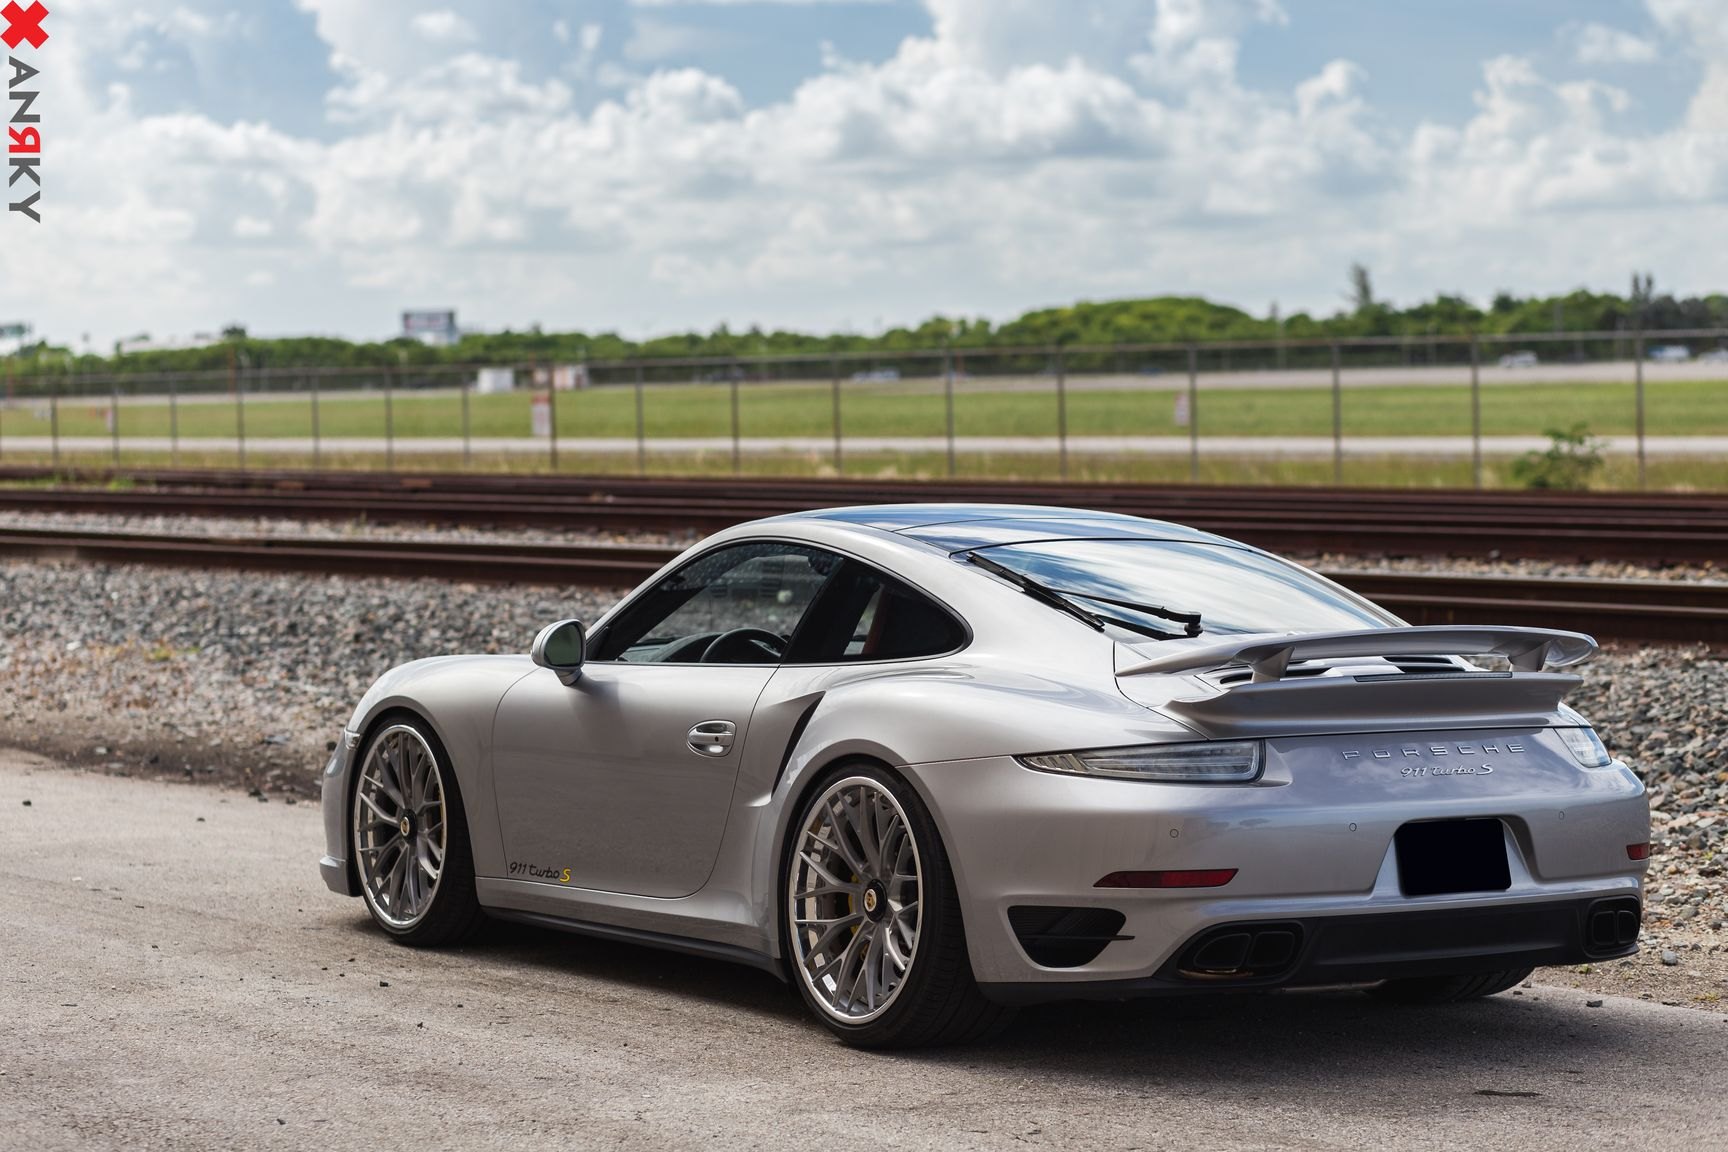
400	826
854	899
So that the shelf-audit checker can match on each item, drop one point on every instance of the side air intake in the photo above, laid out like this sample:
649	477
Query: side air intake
1058	937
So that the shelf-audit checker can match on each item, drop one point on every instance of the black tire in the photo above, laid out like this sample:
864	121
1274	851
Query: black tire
937	1001
454	914
1450	989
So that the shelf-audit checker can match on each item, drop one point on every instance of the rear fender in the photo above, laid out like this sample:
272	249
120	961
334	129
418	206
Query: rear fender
916	717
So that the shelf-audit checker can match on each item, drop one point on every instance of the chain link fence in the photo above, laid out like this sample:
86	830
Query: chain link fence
1639	409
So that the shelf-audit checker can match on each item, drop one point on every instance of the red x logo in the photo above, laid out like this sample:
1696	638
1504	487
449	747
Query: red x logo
24	24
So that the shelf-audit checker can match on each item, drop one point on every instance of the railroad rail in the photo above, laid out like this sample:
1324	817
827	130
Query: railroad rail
1638	610
1660	527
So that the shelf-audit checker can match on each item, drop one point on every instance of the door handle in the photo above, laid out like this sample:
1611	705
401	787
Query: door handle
713	737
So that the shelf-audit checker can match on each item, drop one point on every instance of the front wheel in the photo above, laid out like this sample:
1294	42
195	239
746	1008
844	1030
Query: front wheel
410	838
872	918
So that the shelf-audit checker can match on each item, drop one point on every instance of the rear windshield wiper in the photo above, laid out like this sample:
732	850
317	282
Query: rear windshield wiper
1058	598
1190	620
1038	591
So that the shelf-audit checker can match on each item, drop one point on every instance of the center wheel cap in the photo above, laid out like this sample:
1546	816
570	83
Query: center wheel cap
875	900
407	826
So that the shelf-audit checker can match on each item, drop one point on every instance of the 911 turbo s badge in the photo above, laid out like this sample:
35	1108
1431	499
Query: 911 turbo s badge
539	872
1413	771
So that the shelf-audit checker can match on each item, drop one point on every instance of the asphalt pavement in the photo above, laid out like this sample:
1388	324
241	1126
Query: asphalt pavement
174	975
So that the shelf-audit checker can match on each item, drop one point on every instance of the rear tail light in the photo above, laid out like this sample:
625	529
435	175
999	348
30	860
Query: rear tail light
1637	851
1184	878
1212	762
1586	747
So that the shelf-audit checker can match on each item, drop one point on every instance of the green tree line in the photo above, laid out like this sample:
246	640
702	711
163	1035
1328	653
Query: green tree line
1154	320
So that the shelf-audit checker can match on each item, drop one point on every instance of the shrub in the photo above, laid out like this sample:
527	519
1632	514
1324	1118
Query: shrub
1572	458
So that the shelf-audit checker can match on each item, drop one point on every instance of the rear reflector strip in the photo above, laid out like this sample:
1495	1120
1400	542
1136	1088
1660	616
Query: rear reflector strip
1637	851
1191	878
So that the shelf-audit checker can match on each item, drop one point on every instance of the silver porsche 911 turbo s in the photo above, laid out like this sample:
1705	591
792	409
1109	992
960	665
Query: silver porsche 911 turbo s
929	762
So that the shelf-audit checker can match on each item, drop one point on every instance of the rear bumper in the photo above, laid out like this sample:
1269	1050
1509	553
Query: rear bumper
1363	949
1312	843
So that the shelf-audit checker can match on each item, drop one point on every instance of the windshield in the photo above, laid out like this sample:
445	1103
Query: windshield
1233	590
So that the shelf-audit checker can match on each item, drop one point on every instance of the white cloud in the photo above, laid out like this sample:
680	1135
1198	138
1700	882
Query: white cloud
653	40
740	3
442	27
1022	152
1600	44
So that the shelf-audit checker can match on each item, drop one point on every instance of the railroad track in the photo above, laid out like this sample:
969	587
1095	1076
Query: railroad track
1635	526
1642	610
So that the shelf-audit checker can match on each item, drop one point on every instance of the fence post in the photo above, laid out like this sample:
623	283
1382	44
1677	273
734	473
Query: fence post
114	420
1638	351
54	420
1476	409
834	382
389	419
237	385
240	422
1337	419
641	427
317	446
737	430
466	453
1061	416
551	412
173	421
948	398
1193	414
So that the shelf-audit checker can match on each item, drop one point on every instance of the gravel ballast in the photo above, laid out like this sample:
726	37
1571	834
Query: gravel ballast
234	677
243	678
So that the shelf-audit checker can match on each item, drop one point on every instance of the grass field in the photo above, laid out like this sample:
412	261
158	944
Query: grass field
1672	409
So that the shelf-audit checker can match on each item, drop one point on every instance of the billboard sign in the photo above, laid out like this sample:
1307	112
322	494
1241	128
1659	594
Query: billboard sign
437	327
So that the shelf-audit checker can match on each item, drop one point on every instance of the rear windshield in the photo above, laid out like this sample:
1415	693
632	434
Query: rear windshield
1233	590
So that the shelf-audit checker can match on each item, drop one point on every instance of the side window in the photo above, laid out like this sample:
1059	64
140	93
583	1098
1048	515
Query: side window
737	605
867	615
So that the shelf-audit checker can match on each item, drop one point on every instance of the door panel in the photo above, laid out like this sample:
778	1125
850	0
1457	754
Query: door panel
604	778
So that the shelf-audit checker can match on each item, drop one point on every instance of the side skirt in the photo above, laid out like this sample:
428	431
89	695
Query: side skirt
704	948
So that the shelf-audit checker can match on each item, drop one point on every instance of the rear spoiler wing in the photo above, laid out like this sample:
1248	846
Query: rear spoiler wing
1526	649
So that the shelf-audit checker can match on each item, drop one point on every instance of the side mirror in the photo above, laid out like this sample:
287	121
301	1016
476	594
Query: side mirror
561	647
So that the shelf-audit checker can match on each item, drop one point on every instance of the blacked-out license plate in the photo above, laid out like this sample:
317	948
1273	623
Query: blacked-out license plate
1438	857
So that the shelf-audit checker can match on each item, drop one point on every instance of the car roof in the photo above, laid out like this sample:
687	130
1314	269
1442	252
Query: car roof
959	527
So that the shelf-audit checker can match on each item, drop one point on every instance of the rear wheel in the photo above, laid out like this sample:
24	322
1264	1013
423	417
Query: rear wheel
872	920
410	837
1447	989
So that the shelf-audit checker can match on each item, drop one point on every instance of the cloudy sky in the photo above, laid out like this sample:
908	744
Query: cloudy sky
647	165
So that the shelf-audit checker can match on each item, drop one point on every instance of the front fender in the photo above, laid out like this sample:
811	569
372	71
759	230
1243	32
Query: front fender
457	696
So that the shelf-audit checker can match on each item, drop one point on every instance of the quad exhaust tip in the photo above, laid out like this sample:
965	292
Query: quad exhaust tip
1612	925
1242	952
